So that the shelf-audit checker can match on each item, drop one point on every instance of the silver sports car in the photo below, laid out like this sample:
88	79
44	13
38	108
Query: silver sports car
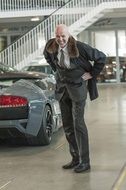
28	108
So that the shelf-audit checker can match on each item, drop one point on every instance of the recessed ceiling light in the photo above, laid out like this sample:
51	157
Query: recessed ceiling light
35	19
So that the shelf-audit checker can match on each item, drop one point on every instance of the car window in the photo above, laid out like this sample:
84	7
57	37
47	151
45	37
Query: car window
48	70
25	68
45	84
42	84
36	68
39	68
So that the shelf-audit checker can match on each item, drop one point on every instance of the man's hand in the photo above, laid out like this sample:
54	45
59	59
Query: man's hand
86	76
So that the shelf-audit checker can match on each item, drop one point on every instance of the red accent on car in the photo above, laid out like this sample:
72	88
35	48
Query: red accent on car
12	101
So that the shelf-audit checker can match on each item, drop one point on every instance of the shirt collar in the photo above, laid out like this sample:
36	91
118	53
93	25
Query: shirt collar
64	49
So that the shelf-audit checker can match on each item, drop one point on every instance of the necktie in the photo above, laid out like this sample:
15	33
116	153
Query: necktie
61	61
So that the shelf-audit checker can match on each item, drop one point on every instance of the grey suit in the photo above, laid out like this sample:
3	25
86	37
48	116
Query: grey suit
71	90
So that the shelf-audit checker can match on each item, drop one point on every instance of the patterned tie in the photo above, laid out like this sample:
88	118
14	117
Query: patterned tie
61	61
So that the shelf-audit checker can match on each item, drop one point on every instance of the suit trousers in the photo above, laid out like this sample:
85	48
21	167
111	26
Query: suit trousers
75	128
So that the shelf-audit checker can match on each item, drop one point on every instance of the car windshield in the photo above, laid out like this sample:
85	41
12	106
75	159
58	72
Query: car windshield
39	68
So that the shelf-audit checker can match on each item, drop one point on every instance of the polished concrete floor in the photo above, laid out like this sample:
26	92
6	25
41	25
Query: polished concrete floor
39	168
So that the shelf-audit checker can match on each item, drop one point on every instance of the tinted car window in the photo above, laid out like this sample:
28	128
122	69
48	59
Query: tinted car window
36	68
39	68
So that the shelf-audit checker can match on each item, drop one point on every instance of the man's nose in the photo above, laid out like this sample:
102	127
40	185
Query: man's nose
60	38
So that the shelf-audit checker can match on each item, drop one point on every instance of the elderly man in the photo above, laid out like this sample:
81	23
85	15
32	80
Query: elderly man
70	59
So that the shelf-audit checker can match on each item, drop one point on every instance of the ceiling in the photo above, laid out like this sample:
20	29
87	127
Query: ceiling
17	24
112	19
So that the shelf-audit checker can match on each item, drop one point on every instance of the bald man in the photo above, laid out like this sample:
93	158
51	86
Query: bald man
75	75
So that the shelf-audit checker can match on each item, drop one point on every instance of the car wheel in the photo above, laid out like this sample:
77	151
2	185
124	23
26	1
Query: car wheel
45	133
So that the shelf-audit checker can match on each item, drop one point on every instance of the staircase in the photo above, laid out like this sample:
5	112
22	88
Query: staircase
94	14
77	14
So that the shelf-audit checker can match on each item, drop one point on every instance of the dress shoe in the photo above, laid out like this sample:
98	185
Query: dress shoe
82	167
70	165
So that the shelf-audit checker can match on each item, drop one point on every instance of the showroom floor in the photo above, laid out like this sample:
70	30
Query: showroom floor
39	168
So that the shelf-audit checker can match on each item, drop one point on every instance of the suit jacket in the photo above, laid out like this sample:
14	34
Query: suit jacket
81	56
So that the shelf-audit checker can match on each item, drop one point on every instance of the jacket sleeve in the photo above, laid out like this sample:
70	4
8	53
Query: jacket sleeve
97	57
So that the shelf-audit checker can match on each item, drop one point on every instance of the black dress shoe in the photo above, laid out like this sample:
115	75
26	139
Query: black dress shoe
70	165
82	167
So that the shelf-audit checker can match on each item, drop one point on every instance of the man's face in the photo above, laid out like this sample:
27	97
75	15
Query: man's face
62	36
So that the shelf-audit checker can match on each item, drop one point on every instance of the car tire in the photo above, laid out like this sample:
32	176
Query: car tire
44	136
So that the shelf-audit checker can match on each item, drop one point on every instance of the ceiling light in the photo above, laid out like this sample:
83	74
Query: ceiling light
35	19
